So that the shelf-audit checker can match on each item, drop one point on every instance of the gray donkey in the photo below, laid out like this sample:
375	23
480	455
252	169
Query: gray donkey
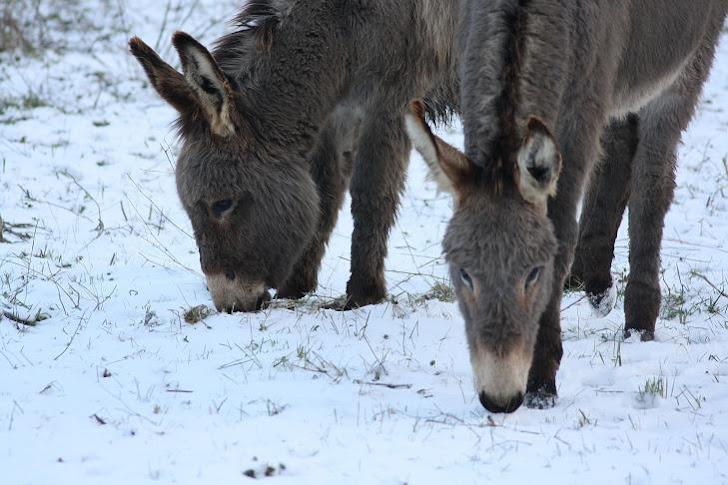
276	118
542	82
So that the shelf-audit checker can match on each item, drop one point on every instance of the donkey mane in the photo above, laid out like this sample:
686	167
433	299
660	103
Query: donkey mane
256	22
500	134
256	14
236	54
505	145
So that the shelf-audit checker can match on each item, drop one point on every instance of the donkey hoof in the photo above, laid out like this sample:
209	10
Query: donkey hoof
347	302
341	304
296	288
603	303
540	399
362	292
290	294
646	335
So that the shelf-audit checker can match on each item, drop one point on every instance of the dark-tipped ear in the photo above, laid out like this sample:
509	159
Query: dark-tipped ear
449	167
169	83
539	163
208	81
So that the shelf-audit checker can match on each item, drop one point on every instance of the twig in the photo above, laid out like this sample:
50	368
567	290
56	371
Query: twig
78	327
164	25
384	384
235	362
100	226
712	285
30	322
53	204
573	303
156	207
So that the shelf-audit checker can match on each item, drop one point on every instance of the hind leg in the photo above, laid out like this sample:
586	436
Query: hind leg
331	164
376	185
653	186
662	122
602	211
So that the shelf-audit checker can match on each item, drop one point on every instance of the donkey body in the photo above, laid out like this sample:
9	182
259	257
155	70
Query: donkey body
306	99
543	82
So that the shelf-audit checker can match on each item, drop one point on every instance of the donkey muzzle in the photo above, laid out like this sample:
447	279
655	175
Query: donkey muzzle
500	379
231	294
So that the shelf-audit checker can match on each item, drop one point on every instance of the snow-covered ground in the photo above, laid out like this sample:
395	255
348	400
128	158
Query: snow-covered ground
113	386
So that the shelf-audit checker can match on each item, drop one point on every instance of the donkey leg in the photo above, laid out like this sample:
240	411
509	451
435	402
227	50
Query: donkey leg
578	153
662	122
602	211
331	164
376	185
653	188
653	185
541	386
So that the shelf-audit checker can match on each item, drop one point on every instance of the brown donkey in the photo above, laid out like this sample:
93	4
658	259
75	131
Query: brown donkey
542	82
275	119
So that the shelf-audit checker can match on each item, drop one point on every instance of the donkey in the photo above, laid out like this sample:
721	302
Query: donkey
542	82
306	98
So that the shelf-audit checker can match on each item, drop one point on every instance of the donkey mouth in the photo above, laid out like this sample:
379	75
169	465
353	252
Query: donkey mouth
233	295
501	407
260	303
500	378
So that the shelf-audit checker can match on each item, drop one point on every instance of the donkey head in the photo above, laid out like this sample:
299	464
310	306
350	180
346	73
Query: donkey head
252	208
500	246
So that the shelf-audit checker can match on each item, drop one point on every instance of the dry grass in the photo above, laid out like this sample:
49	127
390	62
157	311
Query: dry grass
34	26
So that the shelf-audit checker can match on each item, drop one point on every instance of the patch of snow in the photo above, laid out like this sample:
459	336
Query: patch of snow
114	386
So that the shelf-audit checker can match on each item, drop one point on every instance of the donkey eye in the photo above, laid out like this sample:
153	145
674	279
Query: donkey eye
466	279
533	276
219	207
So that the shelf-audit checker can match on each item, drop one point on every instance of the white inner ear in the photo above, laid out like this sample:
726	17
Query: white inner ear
424	143
216	104
203	68
540	156
421	139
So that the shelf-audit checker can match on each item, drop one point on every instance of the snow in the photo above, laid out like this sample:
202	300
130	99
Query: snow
115	387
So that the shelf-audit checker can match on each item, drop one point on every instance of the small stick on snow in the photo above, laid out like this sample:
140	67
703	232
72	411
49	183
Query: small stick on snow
712	285
29	322
384	384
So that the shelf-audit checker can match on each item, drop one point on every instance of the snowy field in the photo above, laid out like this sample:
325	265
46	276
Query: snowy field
112	385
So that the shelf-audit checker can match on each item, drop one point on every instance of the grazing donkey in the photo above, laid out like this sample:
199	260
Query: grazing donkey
542	82
274	120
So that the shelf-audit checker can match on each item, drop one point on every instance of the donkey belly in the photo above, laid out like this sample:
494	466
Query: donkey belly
663	38
630	99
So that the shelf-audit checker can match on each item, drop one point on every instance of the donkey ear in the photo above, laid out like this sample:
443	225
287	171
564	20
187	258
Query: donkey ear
449	167
169	83
208	81
539	163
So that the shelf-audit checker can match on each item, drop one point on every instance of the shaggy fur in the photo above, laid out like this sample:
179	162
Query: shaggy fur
632	67
305	99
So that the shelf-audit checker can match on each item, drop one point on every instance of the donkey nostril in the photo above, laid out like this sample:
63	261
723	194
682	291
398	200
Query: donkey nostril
515	403
495	407
230	274
489	404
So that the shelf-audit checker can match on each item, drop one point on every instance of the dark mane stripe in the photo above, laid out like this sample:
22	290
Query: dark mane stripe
256	21
506	143
256	14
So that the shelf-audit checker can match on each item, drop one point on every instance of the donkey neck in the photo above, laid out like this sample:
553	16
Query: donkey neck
299	79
